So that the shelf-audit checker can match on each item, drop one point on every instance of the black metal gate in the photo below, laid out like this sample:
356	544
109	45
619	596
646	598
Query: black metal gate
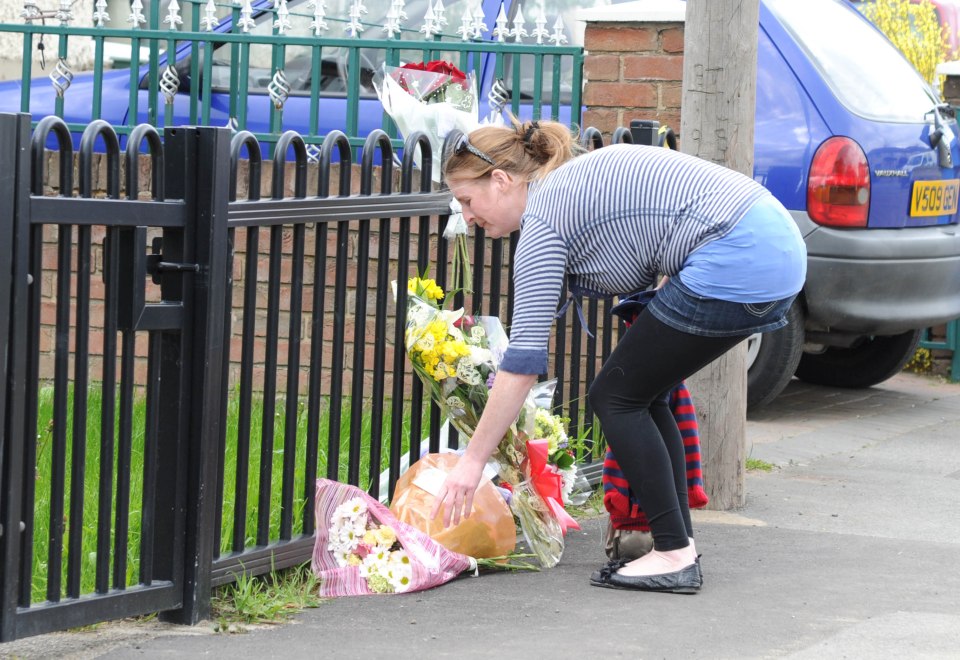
119	317
90	578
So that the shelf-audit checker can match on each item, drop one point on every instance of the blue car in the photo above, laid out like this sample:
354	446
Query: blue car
848	136
859	148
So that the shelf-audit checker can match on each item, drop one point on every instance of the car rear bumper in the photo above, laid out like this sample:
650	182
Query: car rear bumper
881	281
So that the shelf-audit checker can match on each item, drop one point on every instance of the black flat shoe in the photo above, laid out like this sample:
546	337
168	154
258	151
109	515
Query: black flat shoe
601	577
685	581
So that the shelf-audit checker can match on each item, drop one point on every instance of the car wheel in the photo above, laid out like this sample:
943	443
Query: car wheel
868	362
772	358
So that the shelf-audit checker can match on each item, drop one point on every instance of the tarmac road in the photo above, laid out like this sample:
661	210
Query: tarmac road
847	549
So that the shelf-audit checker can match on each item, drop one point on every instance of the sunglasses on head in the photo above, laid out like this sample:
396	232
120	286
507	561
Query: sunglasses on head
463	145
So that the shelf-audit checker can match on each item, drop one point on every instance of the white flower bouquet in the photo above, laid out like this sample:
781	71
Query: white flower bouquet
434	98
361	548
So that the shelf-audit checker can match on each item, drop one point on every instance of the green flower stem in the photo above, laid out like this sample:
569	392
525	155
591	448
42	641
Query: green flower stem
508	562
540	529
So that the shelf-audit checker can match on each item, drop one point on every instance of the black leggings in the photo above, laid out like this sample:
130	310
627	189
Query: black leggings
630	396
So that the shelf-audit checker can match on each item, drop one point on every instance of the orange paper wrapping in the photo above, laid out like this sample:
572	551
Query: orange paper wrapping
489	531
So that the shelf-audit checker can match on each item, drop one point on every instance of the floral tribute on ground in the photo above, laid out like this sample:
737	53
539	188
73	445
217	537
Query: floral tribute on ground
361	548
456	356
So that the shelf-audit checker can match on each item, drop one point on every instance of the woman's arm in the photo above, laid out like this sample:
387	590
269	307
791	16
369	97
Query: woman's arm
506	398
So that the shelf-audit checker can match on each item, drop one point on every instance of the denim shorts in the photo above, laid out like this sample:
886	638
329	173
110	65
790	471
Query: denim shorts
684	310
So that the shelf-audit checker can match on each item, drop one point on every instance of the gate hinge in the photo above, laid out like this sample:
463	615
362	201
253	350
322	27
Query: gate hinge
156	266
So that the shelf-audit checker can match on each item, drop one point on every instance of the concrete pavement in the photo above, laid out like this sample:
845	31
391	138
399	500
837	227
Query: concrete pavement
849	548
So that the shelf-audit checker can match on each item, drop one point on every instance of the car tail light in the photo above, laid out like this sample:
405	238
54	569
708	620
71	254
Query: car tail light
838	192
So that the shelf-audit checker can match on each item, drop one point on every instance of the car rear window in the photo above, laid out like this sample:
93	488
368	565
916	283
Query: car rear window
865	71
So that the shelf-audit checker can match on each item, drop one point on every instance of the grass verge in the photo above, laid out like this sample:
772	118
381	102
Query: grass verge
755	464
265	599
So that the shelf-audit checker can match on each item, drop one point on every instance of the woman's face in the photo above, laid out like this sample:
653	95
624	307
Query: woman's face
494	203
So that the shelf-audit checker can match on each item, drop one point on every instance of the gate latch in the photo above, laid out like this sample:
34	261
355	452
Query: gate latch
156	266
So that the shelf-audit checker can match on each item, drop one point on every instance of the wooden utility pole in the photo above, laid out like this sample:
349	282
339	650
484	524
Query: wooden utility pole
717	119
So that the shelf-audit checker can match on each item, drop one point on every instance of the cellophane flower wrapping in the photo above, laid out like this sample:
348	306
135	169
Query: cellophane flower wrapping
434	98
362	548
487	532
456	357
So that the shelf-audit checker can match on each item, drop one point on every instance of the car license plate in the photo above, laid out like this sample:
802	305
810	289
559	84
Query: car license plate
934	197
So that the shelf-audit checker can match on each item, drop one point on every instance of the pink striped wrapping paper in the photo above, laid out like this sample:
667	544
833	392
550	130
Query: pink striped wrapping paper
432	564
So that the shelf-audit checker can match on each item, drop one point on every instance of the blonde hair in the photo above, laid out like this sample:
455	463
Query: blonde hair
529	150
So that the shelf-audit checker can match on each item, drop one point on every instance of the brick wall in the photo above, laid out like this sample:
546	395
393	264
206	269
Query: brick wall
48	279
633	70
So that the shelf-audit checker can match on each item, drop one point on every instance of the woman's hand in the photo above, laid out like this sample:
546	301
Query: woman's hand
506	397
458	490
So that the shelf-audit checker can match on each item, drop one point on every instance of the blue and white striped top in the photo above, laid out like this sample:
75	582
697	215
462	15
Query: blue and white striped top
610	221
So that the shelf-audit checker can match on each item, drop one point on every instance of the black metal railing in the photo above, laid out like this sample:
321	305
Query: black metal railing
201	357
67	504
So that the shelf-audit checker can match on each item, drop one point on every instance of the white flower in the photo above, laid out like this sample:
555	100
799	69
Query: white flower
569	478
399	571
400	581
376	562
400	558
479	355
342	557
347	526
351	509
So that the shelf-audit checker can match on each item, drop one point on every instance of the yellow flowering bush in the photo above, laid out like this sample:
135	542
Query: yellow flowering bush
913	29
921	362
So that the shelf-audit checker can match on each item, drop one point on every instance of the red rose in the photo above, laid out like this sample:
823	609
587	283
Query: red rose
439	67
465	322
447	69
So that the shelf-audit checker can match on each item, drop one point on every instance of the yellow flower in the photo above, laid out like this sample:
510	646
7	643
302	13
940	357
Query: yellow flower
353	560
370	537
424	288
387	536
438	329
453	350
440	371
430	358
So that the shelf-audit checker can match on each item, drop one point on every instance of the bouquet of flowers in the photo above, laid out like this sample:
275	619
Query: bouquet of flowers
489	531
432	97
361	548
561	452
456	356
